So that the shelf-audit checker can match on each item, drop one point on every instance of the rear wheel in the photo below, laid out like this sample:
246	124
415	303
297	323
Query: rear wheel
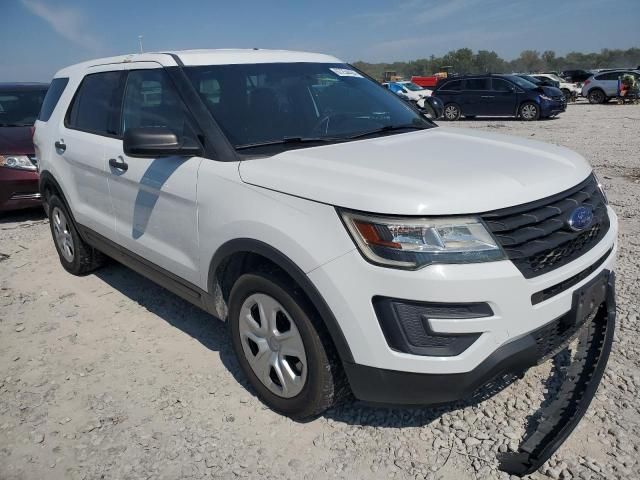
76	256
529	111
567	94
596	96
282	348
452	112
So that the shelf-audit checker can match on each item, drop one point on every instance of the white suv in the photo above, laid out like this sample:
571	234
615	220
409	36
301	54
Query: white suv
350	243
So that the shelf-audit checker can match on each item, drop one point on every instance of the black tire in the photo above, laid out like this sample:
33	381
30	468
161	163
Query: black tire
529	111
567	95
596	96
85	258
325	383
452	112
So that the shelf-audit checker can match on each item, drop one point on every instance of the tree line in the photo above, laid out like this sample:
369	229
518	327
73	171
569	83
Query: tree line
464	60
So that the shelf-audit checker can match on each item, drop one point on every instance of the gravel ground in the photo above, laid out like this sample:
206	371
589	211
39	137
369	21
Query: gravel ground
111	377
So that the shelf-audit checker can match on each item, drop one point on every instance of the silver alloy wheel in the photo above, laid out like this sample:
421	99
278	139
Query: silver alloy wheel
529	111
272	345
451	112
64	240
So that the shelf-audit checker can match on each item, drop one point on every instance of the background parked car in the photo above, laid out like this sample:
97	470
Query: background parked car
408	90
498	95
575	76
570	90
602	87
19	107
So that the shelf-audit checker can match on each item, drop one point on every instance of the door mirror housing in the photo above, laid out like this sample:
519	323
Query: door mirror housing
151	142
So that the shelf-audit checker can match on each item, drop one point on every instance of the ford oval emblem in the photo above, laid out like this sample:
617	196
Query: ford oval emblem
580	219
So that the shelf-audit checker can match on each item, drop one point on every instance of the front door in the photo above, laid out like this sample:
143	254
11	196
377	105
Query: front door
154	199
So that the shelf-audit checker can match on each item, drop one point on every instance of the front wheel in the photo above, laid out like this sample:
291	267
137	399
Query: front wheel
529	111
452	112
282	348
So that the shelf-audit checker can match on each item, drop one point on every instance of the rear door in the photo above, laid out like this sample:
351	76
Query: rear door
504	98
154	199
609	82
89	122
478	98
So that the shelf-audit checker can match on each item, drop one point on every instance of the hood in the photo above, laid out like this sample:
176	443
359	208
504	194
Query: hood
16	140
552	91
430	172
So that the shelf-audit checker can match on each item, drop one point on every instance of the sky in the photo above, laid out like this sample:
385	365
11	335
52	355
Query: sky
38	37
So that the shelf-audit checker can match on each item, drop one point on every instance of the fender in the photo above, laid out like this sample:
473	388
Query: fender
249	245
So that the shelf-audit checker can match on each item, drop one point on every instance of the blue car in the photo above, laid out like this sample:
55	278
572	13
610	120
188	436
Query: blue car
498	96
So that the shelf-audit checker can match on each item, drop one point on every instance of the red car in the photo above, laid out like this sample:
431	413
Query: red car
19	107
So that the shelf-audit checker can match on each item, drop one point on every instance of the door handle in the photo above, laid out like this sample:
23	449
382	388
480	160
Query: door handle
60	146
487	96
118	164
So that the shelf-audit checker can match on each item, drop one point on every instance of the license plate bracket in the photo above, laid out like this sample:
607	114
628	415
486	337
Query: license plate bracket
588	298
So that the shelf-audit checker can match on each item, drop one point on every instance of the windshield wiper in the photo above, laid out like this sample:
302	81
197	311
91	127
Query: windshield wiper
388	128
290	140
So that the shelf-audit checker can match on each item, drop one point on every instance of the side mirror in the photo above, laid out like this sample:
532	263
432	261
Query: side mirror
434	108
151	142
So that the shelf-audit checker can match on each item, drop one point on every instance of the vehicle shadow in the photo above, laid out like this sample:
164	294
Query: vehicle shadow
27	215
213	334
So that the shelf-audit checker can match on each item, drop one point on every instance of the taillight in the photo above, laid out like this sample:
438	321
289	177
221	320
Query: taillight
586	82
33	131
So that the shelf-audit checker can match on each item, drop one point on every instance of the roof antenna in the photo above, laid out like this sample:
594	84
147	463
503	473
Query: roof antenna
140	42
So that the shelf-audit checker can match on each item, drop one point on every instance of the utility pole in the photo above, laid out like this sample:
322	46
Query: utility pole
140	42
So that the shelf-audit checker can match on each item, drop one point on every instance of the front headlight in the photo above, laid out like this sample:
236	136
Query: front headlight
601	188
20	162
544	97
412	243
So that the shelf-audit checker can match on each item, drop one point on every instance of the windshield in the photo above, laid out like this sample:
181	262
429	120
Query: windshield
521	82
271	102
554	77
20	108
412	86
531	79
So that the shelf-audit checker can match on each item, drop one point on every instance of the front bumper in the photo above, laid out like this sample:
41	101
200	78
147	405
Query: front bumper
382	386
550	108
516	308
18	189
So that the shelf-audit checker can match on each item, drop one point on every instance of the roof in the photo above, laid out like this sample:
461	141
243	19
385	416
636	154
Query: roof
24	86
209	57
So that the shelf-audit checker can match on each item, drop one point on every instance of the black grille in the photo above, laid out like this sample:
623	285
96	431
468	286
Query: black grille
555	335
536	236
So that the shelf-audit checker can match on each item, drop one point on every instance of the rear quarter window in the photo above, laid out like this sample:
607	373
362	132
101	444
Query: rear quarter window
52	97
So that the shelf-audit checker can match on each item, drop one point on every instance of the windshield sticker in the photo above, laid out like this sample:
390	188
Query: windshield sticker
345	72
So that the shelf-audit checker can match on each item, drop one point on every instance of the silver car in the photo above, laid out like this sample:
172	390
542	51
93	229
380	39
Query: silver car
603	86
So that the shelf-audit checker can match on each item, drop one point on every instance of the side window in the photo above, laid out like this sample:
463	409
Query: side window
151	101
96	106
453	85
51	98
477	84
609	76
499	85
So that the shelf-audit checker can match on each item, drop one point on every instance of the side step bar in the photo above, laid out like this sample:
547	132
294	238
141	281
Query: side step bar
562	415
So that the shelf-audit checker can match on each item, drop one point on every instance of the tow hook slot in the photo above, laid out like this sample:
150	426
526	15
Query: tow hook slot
562	415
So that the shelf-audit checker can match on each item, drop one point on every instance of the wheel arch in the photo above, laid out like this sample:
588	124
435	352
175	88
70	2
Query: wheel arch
48	185
242	255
